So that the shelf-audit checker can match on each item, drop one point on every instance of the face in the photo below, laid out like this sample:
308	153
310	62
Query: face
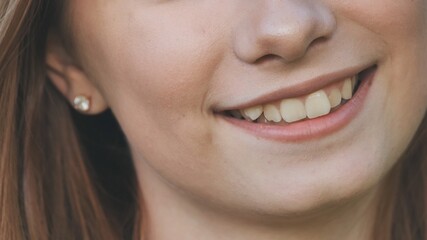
174	73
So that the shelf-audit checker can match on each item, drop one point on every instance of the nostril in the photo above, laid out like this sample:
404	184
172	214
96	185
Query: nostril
267	58
318	41
275	57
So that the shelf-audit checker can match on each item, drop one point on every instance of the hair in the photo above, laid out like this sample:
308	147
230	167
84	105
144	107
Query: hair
68	176
61	176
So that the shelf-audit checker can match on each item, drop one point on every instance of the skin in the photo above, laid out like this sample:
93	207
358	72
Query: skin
163	66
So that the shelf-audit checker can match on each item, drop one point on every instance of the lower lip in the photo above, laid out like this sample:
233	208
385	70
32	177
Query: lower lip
312	128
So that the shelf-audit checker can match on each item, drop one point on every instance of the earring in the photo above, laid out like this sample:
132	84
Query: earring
81	103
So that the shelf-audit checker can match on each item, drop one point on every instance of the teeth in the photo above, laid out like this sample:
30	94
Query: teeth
347	89
335	97
271	113
252	113
317	104
292	110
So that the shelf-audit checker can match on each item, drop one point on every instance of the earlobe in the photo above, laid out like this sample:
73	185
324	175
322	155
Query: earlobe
72	81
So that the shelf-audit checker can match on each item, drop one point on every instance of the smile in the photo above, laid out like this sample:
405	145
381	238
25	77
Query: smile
311	106
316	113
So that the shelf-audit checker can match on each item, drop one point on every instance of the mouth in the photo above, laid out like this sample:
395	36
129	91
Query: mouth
307	116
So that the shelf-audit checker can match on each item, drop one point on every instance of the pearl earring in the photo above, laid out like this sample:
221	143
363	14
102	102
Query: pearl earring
81	103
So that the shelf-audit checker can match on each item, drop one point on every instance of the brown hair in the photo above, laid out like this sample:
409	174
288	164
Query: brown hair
67	176
402	213
59	179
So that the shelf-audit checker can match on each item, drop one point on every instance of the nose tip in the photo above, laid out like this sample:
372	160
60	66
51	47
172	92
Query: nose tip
285	29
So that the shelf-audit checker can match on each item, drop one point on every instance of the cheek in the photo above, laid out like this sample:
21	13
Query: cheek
393	17
151	72
165	79
400	24
402	27
156	79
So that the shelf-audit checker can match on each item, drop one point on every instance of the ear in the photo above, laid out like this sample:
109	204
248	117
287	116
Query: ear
69	79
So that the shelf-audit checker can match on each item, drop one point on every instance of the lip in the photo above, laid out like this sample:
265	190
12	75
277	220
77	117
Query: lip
301	89
311	128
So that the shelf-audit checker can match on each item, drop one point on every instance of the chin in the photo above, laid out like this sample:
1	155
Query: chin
286	187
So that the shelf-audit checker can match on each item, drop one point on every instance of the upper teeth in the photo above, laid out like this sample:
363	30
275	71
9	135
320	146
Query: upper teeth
253	112
313	105
317	104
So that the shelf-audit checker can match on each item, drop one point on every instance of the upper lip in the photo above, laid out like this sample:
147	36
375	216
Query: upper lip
300	89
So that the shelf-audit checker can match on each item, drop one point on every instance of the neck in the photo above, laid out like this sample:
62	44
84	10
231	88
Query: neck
169	213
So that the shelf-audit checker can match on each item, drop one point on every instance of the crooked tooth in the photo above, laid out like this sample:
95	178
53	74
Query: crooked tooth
347	91
317	104
292	110
271	113
335	97
252	113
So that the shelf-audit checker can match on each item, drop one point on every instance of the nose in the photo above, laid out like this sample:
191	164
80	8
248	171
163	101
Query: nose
286	29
